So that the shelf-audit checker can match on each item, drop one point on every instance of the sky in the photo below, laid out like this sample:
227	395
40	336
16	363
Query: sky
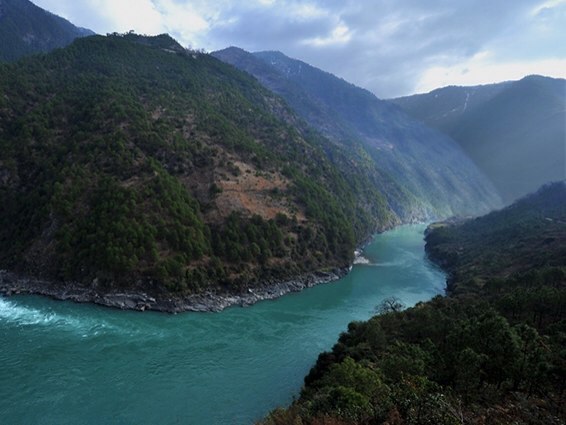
391	47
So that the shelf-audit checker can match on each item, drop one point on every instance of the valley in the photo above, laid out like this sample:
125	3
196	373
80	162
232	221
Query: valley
282	232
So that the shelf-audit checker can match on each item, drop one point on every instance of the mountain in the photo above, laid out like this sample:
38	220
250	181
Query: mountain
26	29
514	131
130	162
529	234
443	108
426	164
492	349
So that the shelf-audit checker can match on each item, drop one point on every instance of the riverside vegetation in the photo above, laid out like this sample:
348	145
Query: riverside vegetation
493	351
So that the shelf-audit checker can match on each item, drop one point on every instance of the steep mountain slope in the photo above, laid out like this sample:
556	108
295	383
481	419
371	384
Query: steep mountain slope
529	234
444	107
26	29
126	161
430	166
515	132
493	349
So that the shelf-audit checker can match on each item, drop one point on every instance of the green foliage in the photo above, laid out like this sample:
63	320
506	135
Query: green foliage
321	206
126	228
494	348
433	364
242	240
109	157
522	238
347	391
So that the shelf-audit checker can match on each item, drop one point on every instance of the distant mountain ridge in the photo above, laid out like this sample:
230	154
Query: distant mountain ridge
443	107
514	131
426	164
26	29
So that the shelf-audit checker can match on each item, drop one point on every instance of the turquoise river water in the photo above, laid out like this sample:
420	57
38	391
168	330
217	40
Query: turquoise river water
64	363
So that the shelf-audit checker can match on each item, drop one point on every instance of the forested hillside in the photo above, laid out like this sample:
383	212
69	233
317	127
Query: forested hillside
529	234
127	161
491	352
515	131
26	29
428	166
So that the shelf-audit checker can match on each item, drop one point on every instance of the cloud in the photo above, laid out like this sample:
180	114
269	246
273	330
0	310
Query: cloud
183	21
180	19
104	16
482	69
340	35
390	47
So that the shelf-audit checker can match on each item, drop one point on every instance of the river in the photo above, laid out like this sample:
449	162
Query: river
64	363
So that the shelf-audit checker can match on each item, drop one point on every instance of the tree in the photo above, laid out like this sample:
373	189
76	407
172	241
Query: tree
390	305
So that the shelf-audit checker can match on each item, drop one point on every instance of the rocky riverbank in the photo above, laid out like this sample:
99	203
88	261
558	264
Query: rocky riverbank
13	284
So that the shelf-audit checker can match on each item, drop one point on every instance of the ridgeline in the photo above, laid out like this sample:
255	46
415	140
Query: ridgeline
430	176
513	131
